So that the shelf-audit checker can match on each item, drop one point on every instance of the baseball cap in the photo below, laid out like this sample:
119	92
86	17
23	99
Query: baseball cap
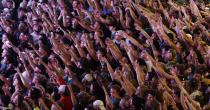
88	77
99	104
61	88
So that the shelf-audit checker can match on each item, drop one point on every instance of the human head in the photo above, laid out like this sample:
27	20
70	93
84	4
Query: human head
114	91
98	105
125	102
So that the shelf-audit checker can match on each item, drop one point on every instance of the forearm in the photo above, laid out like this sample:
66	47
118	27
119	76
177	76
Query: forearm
91	49
49	23
139	73
104	21
135	17
133	41
107	99
91	4
115	54
36	51
25	83
4	79
27	105
97	6
80	51
185	92
73	54
122	21
125	85
110	69
129	85
73	98
86	26
127	21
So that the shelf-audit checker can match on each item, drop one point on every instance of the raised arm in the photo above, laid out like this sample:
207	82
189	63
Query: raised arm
25	83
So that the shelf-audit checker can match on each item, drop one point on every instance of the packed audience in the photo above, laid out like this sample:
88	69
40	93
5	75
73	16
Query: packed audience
105	55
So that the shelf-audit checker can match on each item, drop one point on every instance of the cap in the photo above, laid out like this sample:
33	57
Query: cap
99	104
61	88
88	77
189	36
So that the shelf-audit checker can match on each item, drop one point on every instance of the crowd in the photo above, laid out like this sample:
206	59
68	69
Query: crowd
105	55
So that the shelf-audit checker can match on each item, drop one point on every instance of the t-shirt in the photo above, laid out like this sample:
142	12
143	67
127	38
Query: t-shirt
115	102
35	37
66	100
106	11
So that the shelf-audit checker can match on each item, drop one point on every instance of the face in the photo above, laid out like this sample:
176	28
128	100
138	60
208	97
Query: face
5	60
96	26
111	28
197	76
23	37
15	82
96	34
15	100
4	53
99	55
42	51
113	92
117	37
75	4
68	21
74	23
37	28
155	4
35	80
21	14
175	97
147	77
9	30
36	61
127	103
9	4
150	98
179	45
160	87
116	12
4	47
37	70
79	65
168	55
188	71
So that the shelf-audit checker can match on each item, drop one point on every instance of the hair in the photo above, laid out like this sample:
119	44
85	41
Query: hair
102	51
66	41
84	63
20	83
1	92
56	96
83	97
5	99
152	92
22	9
22	27
20	100
66	92
35	93
1	83
49	88
116	87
